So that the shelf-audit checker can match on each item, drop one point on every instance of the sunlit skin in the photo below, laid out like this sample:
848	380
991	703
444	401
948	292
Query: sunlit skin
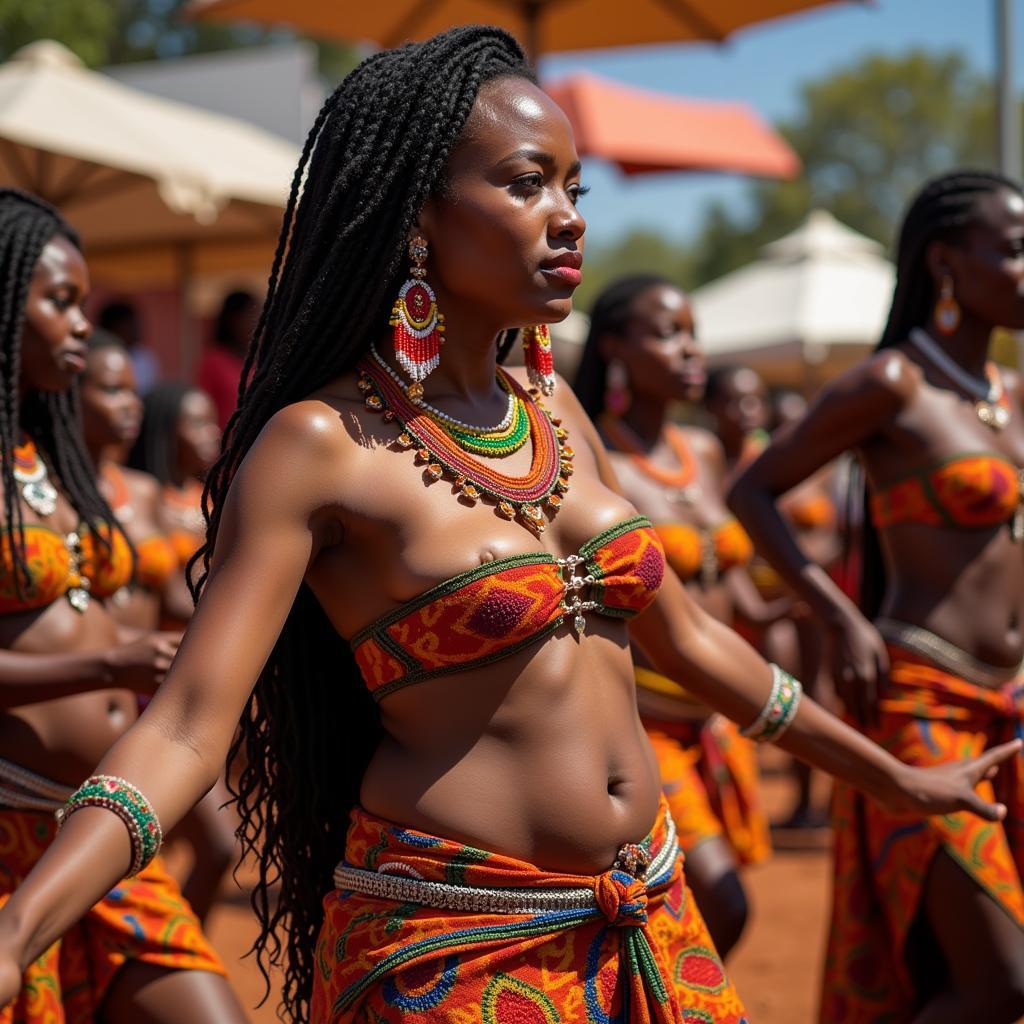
665	364
60	714
198	436
540	755
900	413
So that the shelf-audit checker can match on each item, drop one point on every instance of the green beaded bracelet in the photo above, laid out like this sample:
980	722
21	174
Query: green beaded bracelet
120	797
779	709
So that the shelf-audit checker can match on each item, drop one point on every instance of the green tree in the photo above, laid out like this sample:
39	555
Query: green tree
868	135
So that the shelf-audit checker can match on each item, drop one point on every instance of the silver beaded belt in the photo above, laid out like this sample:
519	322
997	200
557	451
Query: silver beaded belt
24	790
476	900
944	654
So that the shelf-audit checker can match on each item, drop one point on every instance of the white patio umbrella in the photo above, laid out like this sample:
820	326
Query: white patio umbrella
160	191
812	302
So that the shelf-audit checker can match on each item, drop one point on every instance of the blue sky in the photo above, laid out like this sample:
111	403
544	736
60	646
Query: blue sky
764	67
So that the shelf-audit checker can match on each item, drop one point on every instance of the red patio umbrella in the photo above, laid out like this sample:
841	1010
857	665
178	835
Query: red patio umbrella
642	131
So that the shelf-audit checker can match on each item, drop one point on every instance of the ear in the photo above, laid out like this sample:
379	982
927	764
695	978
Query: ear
941	259
610	347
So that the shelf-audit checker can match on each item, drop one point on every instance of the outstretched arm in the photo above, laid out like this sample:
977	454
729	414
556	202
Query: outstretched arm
269	533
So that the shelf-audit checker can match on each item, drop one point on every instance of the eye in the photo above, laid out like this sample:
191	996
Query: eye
62	302
528	183
577	192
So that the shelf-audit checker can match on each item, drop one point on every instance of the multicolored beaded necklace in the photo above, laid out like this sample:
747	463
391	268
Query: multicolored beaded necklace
443	454
505	438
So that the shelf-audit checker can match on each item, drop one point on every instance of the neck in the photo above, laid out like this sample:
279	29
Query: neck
646	419
967	346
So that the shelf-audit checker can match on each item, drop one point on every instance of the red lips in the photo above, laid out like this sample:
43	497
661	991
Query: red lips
565	266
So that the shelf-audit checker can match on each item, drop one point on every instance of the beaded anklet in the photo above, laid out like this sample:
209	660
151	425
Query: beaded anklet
779	709
123	799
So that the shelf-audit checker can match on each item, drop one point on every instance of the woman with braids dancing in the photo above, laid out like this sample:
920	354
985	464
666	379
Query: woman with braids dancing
178	443
928	916
641	356
65	681
428	575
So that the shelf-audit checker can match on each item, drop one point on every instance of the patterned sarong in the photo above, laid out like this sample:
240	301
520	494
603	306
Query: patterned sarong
710	776
643	956
928	716
144	918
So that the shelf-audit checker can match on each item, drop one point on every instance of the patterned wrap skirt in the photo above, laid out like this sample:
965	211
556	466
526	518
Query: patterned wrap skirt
710	777
639	953
143	918
927	716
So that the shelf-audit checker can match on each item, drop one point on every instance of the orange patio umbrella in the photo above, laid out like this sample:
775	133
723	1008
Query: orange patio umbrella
643	131
543	26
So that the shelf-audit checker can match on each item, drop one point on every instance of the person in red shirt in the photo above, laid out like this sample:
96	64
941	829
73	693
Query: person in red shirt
221	365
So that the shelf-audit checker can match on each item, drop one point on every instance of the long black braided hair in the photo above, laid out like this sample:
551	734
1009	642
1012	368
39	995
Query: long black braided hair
611	312
941	211
51	418
156	448
376	152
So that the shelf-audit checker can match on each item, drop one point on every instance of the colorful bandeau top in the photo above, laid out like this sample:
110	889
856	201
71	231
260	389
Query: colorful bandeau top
705	552
501	607
978	490
155	557
811	512
57	565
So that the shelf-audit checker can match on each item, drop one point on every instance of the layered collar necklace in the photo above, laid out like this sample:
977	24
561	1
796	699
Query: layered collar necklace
680	484
446	447
991	405
30	471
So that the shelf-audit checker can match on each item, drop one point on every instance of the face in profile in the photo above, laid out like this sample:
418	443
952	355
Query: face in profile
987	262
198	434
53	339
111	408
658	347
505	235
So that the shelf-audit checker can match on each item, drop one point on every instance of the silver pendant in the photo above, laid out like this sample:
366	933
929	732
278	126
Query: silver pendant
995	417
684	495
40	496
78	598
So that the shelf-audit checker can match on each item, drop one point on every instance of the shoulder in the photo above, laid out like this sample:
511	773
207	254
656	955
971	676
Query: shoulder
886	381
704	443
143	487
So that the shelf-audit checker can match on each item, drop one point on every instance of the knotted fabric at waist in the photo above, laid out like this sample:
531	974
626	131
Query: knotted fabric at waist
619	894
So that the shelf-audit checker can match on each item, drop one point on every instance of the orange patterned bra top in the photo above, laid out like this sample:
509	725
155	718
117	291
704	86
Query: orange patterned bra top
705	553
501	607
977	490
59	564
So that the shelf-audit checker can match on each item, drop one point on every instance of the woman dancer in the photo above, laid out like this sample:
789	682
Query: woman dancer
485	577
641	355
138	954
157	594
111	418
927	915
178	443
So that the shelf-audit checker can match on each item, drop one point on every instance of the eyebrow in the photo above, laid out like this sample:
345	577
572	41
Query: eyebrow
538	156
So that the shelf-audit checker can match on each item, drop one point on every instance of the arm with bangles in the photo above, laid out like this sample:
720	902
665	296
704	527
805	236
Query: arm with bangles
269	533
685	643
857	407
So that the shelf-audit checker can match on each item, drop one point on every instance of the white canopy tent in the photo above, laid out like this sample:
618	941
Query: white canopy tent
162	193
811	304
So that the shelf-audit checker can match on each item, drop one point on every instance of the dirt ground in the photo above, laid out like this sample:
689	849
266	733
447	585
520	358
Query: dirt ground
776	967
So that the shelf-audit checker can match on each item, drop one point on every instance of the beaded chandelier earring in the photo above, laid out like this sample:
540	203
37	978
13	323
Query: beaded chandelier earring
540	366
417	326
947	309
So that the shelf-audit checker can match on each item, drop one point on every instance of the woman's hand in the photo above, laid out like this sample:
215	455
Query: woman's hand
945	788
142	665
859	662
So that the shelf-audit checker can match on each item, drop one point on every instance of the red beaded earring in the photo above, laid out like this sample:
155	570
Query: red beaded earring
417	326
947	309
540	366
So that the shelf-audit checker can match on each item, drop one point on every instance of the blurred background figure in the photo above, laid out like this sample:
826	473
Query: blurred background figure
221	366
178	442
122	320
640	359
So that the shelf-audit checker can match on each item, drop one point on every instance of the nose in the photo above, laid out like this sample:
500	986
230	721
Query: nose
567	222
81	327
